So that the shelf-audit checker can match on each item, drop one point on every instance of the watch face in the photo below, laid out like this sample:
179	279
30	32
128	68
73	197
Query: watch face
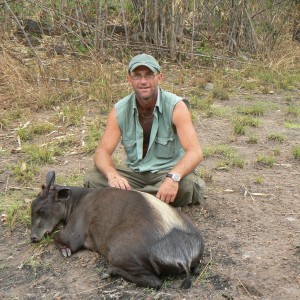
176	177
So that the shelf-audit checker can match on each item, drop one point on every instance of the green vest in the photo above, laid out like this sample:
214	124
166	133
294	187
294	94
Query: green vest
164	149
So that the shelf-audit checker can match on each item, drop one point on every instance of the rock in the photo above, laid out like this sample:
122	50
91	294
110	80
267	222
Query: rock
209	87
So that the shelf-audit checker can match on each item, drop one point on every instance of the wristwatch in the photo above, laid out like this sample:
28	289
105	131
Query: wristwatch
175	177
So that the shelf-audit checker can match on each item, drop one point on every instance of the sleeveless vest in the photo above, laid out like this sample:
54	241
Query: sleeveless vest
164	149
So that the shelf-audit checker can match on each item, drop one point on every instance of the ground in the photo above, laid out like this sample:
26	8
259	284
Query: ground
250	221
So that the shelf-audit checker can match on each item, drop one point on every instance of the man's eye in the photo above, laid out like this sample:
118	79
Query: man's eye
136	77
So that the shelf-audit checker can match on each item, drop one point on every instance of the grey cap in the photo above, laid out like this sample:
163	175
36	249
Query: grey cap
144	60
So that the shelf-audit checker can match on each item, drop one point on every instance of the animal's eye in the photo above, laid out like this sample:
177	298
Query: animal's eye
42	212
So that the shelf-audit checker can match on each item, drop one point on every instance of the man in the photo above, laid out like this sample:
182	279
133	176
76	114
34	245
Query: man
159	139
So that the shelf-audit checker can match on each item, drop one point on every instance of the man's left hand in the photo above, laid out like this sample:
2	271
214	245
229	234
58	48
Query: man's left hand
168	190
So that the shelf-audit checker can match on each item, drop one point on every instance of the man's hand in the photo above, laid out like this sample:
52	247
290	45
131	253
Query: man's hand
116	180
168	190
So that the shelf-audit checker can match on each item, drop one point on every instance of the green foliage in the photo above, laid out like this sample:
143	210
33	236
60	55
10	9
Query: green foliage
220	94
201	103
291	124
259	180
206	54
265	160
70	180
240	122
232	159
35	265
256	109
17	211
41	154
206	175
293	110
278	137
239	128
92	138
296	152
276	151
252	139
71	114
24	172
27	133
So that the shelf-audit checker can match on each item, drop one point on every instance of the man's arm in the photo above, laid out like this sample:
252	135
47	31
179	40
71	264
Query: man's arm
193	152
103	155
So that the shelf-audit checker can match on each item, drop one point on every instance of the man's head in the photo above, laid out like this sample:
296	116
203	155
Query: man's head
144	60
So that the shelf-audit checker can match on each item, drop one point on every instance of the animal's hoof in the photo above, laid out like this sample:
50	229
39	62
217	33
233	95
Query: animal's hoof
65	251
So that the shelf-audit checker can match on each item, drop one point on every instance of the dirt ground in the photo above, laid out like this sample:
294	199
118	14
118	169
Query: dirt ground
250	220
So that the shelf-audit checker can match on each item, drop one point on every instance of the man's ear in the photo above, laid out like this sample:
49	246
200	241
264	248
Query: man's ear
128	78
160	77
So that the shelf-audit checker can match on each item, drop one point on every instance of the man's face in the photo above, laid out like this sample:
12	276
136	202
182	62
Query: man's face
144	82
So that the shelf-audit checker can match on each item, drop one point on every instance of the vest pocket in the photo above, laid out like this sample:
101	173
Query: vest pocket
130	149
165	147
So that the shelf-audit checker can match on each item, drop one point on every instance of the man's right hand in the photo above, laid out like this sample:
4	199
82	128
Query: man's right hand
116	180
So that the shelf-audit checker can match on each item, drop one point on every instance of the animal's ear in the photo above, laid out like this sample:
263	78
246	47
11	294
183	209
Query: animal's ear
63	193
50	178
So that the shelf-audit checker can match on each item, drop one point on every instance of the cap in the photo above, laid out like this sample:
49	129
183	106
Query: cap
144	60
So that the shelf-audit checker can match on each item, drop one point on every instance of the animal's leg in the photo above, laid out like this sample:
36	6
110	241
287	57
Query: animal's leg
143	278
195	270
71	238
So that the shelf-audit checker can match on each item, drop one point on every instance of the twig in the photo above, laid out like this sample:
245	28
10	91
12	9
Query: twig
6	186
205	268
255	194
244	287
11	187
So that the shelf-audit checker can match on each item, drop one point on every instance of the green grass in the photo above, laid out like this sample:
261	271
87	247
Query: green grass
256	109
229	156
206	175
71	180
41	154
201	103
259	180
291	124
17	210
265	160
220	94
278	137
296	152
24	172
252	139
293	110
276	151
71	114
92	138
240	123
28	133
219	111
35	265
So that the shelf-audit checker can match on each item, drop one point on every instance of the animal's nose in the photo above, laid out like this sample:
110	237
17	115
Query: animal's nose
34	239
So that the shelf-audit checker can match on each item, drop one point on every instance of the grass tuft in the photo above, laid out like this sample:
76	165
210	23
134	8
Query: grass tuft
278	137
296	152
265	160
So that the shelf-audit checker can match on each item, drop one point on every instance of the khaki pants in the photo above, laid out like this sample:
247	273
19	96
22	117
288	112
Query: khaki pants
191	187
